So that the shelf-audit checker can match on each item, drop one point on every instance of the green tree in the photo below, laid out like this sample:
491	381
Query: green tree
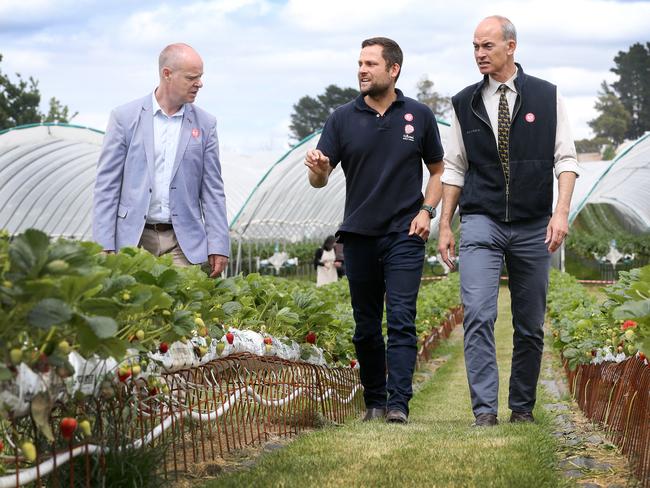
614	120
310	114
439	105
633	86
19	103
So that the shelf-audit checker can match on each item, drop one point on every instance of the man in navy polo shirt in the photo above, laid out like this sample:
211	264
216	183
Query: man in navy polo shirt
381	140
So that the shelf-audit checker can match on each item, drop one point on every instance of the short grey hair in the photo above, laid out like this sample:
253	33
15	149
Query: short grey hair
507	27
171	55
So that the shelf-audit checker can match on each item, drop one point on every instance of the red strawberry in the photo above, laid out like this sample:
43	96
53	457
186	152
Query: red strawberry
123	375
311	337
230	337
153	391
353	363
163	348
627	324
2	446
641	356
68	425
268	340
593	352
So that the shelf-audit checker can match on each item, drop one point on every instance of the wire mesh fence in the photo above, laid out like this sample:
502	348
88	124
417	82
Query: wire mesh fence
618	396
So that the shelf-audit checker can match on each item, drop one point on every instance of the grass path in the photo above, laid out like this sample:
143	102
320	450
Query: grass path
438	448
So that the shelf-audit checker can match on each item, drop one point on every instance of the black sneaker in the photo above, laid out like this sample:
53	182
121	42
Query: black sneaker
374	414
517	417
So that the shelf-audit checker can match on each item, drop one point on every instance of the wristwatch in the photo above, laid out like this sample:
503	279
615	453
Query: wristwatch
430	210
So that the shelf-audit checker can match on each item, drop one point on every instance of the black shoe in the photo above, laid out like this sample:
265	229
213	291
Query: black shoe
485	420
521	417
396	417
374	413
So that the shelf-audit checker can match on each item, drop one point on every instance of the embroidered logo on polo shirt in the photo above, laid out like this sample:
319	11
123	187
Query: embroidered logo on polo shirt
408	130
408	117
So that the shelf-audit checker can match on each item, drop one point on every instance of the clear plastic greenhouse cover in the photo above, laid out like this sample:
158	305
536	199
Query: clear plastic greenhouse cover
47	176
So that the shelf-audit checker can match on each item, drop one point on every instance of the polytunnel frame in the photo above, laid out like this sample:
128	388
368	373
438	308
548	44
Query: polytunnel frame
51	124
578	208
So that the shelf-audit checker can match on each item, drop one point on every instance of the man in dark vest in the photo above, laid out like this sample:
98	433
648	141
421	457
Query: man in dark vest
381	140
509	134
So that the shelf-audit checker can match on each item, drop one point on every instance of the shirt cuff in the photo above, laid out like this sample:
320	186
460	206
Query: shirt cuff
567	165
451	177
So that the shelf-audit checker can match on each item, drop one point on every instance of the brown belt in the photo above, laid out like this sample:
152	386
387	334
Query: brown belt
159	227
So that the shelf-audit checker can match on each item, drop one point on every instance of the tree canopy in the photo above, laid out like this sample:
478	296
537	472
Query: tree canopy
633	86
310	113
20	100
439	104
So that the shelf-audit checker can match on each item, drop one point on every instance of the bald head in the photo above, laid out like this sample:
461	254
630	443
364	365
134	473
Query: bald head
495	41
507	28
180	69
175	55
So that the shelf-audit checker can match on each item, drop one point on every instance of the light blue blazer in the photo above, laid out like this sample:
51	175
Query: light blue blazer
125	175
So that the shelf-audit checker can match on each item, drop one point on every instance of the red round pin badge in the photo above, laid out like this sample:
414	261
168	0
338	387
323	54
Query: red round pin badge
195	132
530	117
409	129
408	117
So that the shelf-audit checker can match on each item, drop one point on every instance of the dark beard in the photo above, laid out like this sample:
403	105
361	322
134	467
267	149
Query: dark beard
375	91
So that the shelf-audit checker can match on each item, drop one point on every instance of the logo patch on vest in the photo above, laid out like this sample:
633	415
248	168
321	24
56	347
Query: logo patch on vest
408	117
530	117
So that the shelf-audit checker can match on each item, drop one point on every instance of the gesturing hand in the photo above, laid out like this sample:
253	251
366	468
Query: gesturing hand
317	162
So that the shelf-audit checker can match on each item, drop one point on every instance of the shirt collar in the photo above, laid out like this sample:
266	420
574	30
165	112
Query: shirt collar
493	85
156	107
361	104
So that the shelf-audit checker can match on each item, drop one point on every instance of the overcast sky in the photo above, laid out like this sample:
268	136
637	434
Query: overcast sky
261	56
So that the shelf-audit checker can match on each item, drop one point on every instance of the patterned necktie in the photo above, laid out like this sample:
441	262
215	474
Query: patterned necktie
504	131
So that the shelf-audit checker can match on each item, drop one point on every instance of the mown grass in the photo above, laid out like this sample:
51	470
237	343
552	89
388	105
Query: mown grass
438	448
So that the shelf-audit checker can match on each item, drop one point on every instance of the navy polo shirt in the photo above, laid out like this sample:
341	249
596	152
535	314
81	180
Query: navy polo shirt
381	157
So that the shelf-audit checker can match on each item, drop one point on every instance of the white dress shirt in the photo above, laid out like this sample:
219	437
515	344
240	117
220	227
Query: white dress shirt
565	158
166	134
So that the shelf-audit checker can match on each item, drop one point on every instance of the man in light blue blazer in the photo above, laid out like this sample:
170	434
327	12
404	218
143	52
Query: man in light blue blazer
159	182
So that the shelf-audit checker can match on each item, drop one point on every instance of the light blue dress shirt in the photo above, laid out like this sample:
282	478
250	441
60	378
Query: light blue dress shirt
166	134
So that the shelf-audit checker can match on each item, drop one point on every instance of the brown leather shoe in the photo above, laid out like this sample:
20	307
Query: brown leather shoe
374	413
522	417
396	417
485	420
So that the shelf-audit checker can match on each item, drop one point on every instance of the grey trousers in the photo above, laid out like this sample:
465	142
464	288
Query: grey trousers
484	245
163	242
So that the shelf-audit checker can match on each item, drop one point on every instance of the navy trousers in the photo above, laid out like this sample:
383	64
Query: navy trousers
385	267
484	245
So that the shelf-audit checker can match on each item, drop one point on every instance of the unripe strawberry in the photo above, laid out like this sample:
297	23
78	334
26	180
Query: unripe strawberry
165	389
85	427
220	347
203	351
629	334
268	348
230	337
183	340
203	331
198	321
7	284
64	347
619	348
68	425
29	451
310	337
139	335
163	348
166	313
16	355
57	266
126	296
136	369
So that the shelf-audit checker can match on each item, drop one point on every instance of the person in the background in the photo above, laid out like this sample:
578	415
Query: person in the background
159	182
340	259
324	262
509	134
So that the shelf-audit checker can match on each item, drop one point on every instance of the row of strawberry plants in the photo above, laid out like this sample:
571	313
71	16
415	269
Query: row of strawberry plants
587	331
62	296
